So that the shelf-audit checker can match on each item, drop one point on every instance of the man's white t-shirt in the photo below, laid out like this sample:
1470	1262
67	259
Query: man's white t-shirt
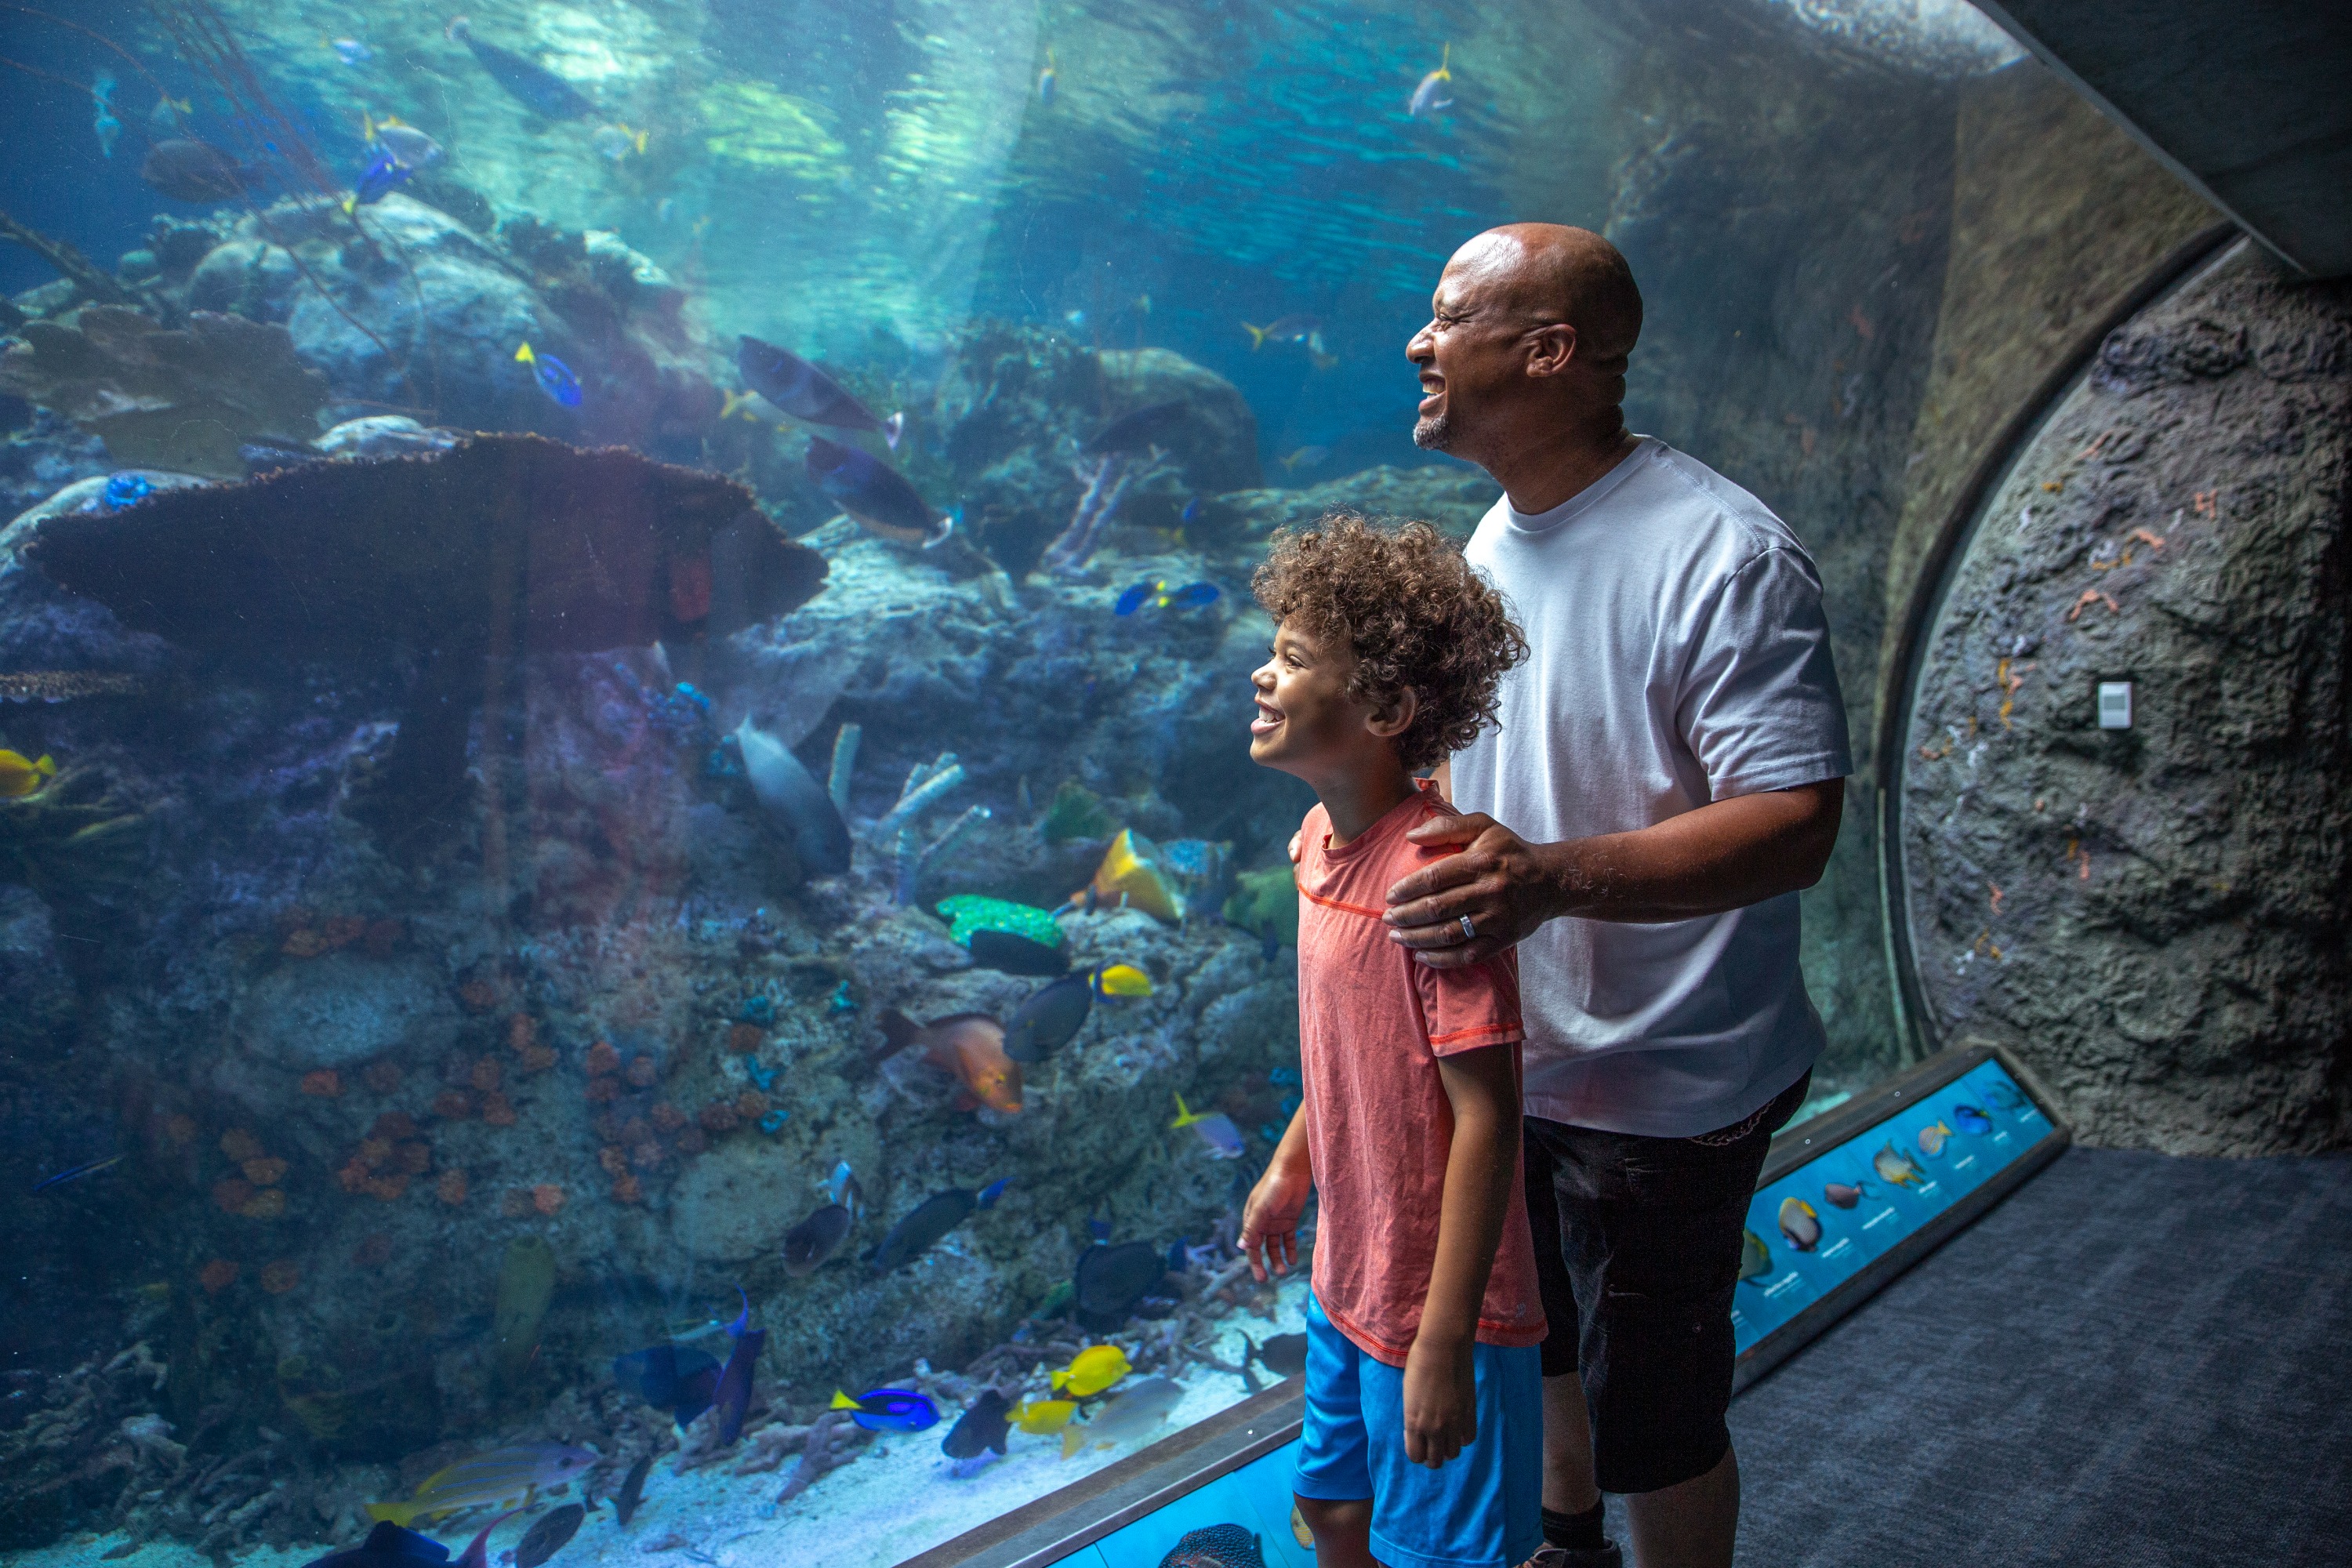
1678	656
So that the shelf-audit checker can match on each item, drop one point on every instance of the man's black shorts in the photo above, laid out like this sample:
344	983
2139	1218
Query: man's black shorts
1637	1253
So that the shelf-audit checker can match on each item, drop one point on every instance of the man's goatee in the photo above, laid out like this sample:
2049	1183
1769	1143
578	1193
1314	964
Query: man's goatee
1433	434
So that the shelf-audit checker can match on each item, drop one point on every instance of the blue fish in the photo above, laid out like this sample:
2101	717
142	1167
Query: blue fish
1191	597
384	176
1135	598
1192	511
876	495
1971	1121
126	489
889	1409
539	90
669	1377
555	377
994	1190
91	1168
388	1546
732	1396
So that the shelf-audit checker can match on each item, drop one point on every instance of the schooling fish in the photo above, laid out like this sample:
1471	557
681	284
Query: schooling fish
1932	1139
805	392
889	1409
876	495
669	1377
88	1168
1971	1121
187	170
1801	1223
1754	1257
1428	98
1132	1412
632	1489
981	1427
1039	1416
20	776
1284	1356
1215	1546
925	1224
732	1397
971	1046
547	1535
1215	1128
1891	1165
1843	1195
539	90
1138	431
488	1478
794	801
1091	1371
555	377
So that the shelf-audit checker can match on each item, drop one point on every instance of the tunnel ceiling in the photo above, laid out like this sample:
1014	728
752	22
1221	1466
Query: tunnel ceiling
2245	99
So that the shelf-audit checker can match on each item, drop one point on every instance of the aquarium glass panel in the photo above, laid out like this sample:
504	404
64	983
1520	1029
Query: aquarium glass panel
630	881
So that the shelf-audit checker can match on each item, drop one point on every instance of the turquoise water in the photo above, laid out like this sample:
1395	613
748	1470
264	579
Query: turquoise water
478	877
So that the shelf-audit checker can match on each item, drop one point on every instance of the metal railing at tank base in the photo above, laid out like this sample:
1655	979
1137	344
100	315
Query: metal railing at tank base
1945	1160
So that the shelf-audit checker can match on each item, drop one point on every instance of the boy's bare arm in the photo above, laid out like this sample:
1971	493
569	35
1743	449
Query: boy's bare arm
1269	1238
1441	1413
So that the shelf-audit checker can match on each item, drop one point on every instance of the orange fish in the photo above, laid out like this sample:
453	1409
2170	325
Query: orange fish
969	1044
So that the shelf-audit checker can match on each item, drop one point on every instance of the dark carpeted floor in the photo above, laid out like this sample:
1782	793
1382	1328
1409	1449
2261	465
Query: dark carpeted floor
2137	1359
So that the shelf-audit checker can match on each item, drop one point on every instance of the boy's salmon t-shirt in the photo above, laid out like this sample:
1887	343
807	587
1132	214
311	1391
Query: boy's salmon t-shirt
1372	1023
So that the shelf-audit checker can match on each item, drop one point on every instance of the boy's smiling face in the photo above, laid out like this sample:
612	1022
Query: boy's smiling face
1307	724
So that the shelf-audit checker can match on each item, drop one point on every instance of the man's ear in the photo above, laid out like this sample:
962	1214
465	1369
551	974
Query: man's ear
1552	350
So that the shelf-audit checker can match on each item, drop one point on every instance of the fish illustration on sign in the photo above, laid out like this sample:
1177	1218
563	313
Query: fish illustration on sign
1892	1165
1754	1257
1932	1139
1801	1223
1843	1195
1971	1119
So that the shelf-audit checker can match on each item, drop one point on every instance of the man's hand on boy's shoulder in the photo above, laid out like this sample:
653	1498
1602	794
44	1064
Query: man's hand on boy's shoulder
1441	1398
1498	880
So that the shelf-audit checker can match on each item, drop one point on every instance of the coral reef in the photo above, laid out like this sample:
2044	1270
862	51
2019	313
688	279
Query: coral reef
185	398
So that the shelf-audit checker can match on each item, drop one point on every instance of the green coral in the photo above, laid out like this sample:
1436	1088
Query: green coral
751	124
1271	895
968	912
1076	812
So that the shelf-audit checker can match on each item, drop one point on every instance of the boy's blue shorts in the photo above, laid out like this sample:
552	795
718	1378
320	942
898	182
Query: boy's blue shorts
1482	1510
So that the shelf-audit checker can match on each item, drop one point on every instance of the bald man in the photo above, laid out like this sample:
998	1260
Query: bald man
1667	774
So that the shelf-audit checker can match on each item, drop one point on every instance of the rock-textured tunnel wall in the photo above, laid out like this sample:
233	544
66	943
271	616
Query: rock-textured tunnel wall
2154	918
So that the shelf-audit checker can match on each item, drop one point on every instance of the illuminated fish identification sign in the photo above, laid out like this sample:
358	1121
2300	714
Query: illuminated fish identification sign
1879	1193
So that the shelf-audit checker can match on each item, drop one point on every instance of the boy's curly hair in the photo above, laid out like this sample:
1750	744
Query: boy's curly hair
1416	614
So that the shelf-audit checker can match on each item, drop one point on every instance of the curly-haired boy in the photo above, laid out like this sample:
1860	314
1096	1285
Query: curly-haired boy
1424	1437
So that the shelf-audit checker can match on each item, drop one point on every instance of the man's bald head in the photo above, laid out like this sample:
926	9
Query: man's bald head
1551	274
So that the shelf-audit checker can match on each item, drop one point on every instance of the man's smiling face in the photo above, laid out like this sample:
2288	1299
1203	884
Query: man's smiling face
1472	351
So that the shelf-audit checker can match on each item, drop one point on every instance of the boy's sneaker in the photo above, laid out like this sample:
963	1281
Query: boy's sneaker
1604	1556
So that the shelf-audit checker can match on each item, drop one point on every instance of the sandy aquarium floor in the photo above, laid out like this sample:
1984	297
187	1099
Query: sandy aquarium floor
898	1498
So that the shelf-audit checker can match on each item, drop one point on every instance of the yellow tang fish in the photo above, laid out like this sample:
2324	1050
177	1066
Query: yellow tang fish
1042	1415
1091	1371
20	776
1122	980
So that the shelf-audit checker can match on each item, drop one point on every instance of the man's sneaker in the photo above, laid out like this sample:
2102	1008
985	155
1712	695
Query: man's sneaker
1605	1555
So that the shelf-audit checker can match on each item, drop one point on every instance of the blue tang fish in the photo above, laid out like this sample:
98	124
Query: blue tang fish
539	90
1135	598
889	1409
1971	1121
1190	596
384	176
555	377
